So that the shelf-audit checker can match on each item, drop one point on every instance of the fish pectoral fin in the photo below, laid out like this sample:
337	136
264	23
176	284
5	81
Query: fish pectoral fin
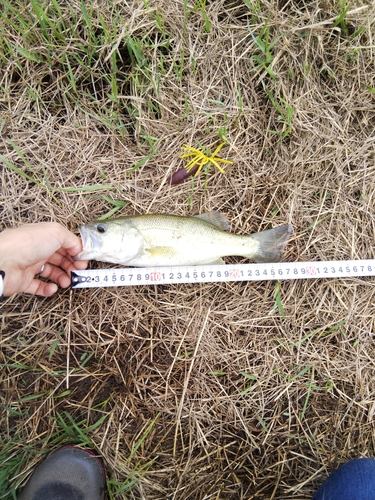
161	251
216	219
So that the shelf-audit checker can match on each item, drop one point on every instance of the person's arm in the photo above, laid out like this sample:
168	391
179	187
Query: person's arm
45	249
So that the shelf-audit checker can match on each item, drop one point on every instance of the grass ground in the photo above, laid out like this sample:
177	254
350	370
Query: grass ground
200	391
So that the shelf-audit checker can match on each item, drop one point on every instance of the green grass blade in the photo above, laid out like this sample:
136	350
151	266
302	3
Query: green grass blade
85	189
19	171
26	54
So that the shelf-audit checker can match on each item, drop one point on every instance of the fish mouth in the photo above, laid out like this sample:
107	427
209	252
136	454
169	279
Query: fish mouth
86	240
90	244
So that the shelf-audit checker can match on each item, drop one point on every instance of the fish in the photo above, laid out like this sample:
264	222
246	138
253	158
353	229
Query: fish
154	240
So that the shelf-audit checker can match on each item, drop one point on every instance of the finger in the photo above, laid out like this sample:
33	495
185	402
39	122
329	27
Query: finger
63	237
70	242
65	261
80	264
41	288
55	274
60	258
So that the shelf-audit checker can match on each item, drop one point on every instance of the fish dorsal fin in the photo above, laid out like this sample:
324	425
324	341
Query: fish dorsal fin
216	219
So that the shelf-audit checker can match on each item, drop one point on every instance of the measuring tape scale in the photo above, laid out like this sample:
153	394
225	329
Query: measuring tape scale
93	278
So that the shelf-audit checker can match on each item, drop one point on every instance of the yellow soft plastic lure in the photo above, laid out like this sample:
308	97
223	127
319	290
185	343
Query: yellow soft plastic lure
201	159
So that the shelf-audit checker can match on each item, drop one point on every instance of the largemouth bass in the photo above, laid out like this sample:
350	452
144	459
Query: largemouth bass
172	240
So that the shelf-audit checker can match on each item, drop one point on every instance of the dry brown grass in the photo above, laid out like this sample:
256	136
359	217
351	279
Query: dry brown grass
180	352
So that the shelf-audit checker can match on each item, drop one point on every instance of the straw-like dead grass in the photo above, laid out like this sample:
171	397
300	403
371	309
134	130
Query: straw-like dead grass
247	404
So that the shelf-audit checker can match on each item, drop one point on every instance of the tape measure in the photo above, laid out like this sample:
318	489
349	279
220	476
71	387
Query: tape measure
93	278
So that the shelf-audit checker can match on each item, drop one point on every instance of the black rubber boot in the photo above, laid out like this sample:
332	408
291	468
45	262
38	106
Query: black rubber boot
70	473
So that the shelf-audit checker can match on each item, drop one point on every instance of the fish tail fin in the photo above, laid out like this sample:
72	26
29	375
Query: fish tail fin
271	243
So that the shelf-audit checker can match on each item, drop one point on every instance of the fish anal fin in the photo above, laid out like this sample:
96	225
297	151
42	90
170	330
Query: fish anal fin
217	262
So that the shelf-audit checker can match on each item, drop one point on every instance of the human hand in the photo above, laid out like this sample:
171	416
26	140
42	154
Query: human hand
43	249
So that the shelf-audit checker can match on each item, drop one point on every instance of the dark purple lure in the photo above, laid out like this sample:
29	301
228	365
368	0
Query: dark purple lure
182	174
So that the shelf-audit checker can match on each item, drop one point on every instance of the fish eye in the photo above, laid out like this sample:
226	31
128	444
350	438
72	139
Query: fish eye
101	228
